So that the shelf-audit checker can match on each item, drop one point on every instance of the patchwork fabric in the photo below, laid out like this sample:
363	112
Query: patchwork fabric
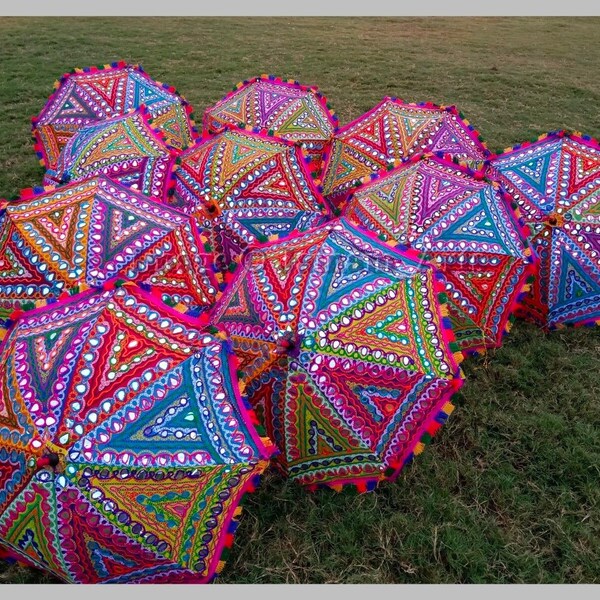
345	353
245	188
284	109
394	130
125	445
83	234
128	149
556	182
467	227
85	96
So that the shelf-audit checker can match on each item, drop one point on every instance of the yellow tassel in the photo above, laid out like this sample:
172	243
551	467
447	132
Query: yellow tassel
181	307
444	310
267	443
237	512
337	487
3	333
448	408
466	122
273	238
419	448
458	357
220	566
56	84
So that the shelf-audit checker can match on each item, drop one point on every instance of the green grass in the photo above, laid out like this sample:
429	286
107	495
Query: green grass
508	491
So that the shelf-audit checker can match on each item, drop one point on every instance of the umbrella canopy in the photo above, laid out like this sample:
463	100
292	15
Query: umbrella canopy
245	187
82	234
345	352
394	130
285	109
556	181
126	148
86	96
463	223
125	446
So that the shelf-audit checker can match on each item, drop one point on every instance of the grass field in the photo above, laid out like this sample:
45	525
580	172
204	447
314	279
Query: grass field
509	490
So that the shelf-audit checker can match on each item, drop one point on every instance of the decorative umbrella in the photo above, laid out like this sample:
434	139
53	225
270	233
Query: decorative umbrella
245	187
82	234
126	148
344	350
556	182
85	96
285	109
125	447
463	223
394	130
